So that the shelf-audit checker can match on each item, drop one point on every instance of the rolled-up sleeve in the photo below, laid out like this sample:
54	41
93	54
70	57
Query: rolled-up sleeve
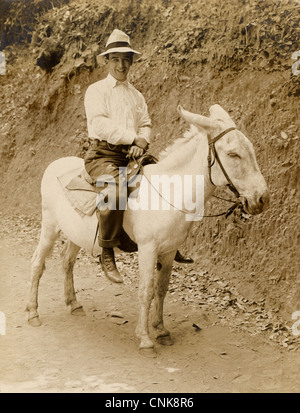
100	125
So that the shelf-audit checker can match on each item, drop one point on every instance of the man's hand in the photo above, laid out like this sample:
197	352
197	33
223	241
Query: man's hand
135	152
139	146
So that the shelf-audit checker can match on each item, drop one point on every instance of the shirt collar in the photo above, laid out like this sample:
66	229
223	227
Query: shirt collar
114	82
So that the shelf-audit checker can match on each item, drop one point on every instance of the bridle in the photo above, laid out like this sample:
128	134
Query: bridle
210	161
240	201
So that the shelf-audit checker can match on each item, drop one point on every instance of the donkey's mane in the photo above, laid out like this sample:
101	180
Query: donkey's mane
179	142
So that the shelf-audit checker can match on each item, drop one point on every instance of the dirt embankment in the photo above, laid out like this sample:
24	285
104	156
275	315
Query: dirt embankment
196	54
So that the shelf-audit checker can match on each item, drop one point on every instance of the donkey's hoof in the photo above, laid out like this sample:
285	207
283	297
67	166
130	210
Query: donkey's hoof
148	352
165	340
78	311
35	321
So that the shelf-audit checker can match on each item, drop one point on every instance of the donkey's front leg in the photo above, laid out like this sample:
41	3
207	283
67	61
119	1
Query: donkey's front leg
147	260
162	279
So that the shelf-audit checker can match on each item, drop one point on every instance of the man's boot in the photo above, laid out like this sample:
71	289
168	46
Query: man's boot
183	260
108	264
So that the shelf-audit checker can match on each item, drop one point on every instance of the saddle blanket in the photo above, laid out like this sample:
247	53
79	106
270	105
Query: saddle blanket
80	193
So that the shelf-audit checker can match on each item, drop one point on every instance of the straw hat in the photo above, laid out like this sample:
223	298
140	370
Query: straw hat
118	41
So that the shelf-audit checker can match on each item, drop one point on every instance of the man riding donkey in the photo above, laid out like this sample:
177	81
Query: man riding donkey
120	126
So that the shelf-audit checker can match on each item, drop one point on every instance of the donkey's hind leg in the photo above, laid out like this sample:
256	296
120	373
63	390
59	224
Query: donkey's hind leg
49	233
69	255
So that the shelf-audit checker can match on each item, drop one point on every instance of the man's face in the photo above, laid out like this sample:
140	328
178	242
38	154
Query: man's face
119	65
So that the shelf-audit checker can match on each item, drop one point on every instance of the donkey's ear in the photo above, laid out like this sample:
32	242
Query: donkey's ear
217	112
198	120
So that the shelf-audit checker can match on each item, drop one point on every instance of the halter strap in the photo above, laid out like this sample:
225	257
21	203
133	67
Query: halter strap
213	140
212	149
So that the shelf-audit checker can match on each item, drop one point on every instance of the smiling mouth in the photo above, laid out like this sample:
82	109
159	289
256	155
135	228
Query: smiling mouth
119	73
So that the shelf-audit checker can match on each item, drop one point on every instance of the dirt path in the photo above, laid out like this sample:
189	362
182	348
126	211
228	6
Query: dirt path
98	352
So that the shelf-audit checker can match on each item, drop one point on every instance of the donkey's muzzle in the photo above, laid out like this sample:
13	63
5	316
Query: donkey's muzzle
259	205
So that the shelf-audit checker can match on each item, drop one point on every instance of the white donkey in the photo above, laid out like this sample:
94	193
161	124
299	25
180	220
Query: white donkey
158	233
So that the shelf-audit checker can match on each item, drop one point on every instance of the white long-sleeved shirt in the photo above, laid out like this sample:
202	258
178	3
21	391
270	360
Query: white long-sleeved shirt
116	112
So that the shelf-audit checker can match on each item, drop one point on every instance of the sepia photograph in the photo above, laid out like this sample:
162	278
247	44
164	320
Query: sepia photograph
149	236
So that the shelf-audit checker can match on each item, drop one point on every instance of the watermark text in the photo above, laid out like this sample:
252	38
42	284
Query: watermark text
2	324
296	325
156	193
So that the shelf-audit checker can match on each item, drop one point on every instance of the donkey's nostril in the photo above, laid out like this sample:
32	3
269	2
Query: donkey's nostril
264	199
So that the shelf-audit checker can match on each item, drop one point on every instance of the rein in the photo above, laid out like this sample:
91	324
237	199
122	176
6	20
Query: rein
185	211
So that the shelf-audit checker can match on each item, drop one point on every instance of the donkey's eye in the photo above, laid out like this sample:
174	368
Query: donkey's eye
234	155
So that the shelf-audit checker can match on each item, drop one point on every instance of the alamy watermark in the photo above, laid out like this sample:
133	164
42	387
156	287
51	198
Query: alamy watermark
2	324
2	64
296	65
158	193
296	325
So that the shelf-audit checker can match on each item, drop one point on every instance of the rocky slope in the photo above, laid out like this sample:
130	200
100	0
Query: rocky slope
195	53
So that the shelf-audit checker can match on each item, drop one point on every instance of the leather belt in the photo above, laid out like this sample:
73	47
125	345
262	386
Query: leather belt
110	146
